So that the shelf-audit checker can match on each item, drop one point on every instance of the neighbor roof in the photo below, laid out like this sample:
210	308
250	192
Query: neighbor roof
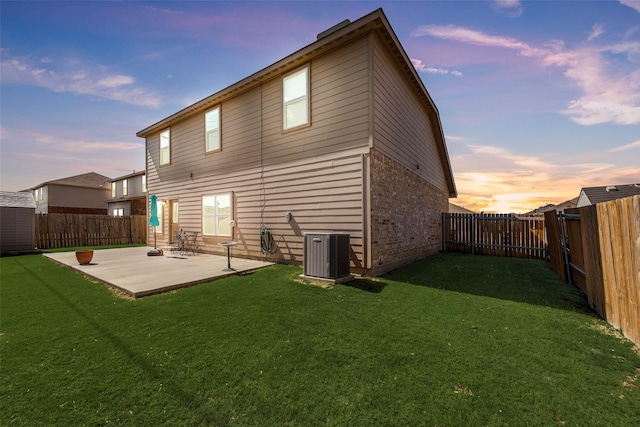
375	21
90	180
131	175
10	199
610	192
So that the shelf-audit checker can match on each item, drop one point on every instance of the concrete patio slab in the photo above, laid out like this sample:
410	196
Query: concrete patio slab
138	275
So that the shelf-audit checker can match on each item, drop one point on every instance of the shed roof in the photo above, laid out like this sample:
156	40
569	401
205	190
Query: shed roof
89	180
10	199
610	192
335	36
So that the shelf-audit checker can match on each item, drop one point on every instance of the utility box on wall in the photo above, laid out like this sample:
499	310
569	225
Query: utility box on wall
326	255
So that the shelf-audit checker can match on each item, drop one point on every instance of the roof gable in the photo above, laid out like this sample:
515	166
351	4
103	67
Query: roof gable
336	36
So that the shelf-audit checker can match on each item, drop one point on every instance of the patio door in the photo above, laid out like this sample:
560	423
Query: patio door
174	222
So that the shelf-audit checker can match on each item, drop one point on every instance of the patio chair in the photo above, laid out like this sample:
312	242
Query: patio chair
190	243
178	242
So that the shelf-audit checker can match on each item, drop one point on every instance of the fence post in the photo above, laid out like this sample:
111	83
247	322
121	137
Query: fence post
473	234
565	249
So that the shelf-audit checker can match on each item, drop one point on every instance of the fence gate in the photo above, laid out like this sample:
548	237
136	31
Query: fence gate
572	248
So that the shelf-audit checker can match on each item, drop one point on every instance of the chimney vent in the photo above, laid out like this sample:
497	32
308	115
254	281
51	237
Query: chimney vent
333	29
611	188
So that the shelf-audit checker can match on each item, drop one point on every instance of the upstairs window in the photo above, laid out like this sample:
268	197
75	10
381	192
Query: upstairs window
125	187
295	89
165	147
113	189
144	183
212	130
216	215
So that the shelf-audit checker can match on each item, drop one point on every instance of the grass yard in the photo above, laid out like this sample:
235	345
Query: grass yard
452	340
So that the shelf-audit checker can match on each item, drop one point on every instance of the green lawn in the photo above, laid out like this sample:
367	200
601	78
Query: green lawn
452	340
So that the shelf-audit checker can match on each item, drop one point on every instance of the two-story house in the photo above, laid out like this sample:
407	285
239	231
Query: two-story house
128	195
340	136
82	194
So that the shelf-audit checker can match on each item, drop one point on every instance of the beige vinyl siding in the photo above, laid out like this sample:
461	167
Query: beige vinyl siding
403	130
322	193
339	108
240	125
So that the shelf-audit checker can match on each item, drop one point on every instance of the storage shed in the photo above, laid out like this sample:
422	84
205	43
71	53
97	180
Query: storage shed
17	223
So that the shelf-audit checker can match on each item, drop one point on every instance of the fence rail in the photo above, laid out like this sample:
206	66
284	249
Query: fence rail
494	234
57	230
597	248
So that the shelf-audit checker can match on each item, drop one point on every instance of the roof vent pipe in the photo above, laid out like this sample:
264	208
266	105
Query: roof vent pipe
333	29
611	188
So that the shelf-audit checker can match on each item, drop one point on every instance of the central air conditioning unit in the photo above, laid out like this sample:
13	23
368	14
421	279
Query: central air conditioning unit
326	256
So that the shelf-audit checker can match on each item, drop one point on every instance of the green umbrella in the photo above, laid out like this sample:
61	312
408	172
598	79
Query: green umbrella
154	221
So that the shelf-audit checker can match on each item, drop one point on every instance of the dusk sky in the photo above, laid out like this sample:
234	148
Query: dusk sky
537	98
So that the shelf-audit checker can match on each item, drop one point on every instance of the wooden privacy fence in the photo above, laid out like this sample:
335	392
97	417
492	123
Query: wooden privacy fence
494	234
58	230
597	248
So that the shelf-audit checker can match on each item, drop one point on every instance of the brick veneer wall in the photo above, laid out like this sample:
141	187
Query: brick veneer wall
139	206
85	211
406	215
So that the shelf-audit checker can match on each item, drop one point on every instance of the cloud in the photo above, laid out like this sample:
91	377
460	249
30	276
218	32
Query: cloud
494	179
596	30
512	8
78	78
634	4
421	67
51	140
610	91
626	147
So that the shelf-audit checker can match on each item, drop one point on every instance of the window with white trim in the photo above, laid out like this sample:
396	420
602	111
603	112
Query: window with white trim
216	215
113	189
125	187
295	90
144	183
165	147
212	130
117	212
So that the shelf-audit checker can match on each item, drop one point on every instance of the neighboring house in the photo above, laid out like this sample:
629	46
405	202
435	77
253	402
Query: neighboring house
340	136
17	222
128	195
85	194
592	195
560	207
459	209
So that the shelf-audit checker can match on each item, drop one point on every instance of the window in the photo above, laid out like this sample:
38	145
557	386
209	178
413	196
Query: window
113	189
144	183
117	212
36	195
125	189
165	147
160	215
216	215
212	130
295	88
